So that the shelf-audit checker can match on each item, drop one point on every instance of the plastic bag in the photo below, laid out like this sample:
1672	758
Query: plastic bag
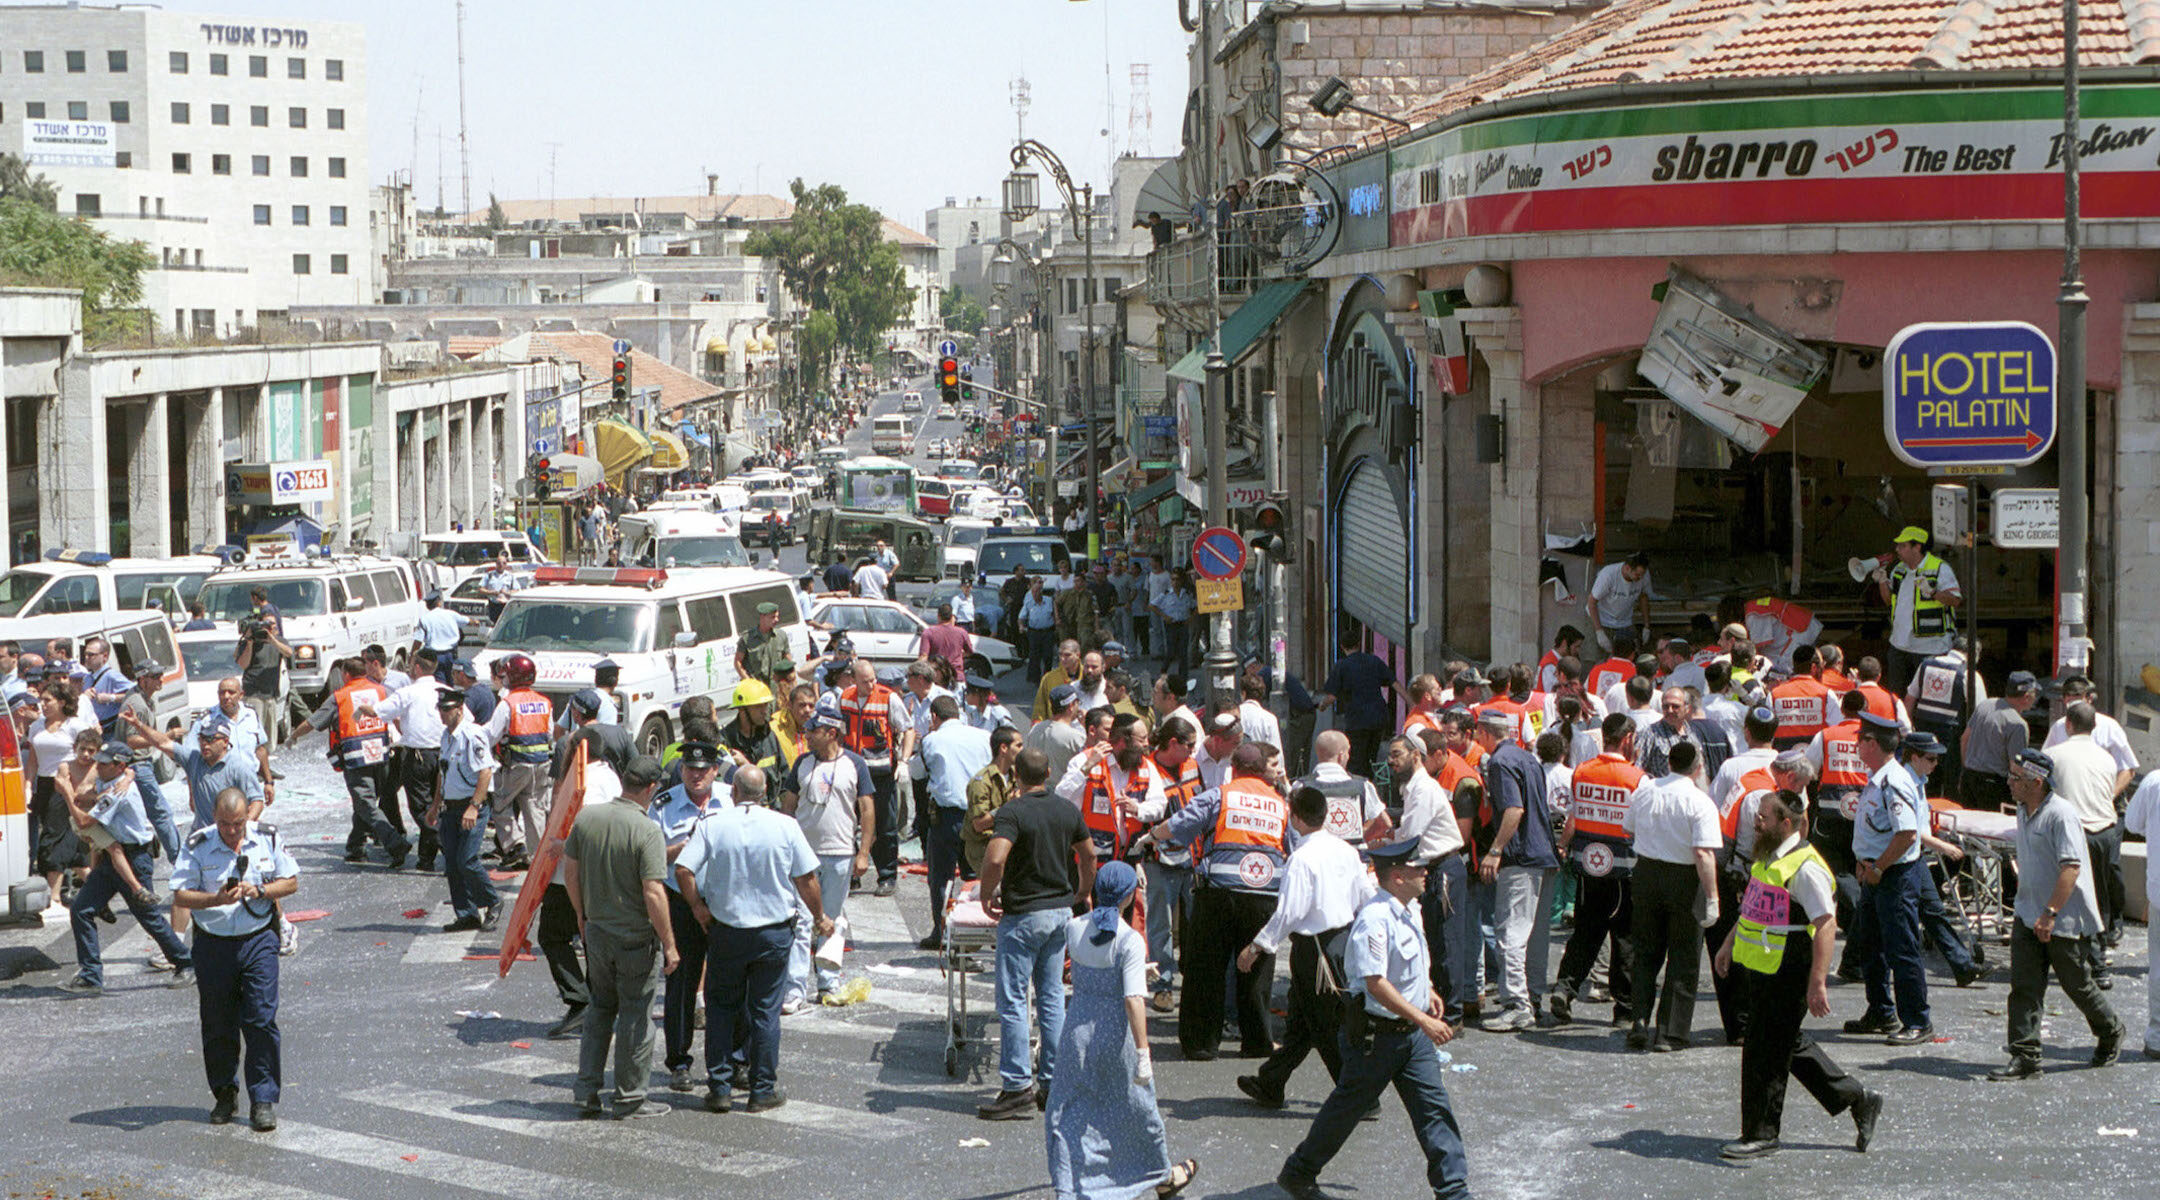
854	991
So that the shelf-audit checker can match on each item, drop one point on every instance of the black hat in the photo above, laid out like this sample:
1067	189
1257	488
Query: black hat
1877	723
2034	762
1394	854
1923	742
700	754
448	698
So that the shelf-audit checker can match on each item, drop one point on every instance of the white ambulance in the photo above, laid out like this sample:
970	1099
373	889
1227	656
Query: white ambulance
92	582
673	634
332	606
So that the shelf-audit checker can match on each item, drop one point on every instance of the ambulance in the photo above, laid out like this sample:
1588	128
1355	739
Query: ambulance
332	606
673	634
92	584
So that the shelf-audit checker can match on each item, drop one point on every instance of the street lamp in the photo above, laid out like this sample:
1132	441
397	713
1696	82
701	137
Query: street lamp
1021	193
1001	266
1335	96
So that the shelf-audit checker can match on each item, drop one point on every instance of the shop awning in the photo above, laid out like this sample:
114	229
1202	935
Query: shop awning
619	447
575	471
1151	493
691	435
1243	329
668	452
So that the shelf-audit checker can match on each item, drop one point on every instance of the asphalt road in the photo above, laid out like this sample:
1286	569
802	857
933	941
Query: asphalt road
413	1071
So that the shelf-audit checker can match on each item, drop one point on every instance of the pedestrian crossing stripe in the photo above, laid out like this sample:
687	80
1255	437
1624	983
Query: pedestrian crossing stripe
436	947
803	1114
420	1162
197	1183
559	1124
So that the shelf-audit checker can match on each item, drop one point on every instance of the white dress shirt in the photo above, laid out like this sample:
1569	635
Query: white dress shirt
1670	819
2107	731
2085	776
1428	814
1213	771
1323	886
1260	725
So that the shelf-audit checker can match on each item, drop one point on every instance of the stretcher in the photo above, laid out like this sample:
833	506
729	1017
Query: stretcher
1975	889
970	949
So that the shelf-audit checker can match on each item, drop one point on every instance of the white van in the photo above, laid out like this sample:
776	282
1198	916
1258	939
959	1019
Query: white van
332	607
450	558
92	582
676	538
673	634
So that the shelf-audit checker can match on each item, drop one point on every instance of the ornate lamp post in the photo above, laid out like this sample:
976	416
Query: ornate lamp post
1020	193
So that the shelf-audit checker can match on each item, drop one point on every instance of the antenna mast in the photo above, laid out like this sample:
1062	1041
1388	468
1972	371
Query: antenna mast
463	154
1140	114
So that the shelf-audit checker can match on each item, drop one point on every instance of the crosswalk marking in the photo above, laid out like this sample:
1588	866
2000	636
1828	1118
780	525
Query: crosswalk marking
421	1162
882	992
876	922
197	1183
433	946
803	1114
556	1125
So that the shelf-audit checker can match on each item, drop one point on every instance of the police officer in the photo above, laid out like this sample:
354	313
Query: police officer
230	881
1391	1022
1886	848
117	805
1785	966
677	811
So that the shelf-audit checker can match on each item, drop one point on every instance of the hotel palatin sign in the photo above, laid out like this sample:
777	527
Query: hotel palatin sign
1972	154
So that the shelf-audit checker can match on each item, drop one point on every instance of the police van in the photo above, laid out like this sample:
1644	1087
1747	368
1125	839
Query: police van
686	537
92	583
332	607
449	559
673	634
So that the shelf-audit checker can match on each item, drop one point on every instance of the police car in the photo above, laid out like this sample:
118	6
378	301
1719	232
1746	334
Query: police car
332	606
673	634
91	584
452	558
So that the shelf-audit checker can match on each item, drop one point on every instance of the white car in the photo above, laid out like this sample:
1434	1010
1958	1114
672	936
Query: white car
889	633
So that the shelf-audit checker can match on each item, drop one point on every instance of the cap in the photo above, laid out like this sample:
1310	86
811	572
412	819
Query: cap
840	644
587	701
461	666
1394	854
981	684
1469	677
2035	764
768	609
2021	683
827	714
1923	742
215	728
114	752
605	664
1063	694
448	698
24	700
783	666
700	754
433	597
146	667
1117	648
1877	723
1914	534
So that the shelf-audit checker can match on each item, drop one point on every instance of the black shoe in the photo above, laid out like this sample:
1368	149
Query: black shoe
2108	1052
511	866
590	1110
1669	1045
740	1078
1199	1054
462	925
1297	1187
227	1106
356	856
1638	1037
1969	976
884	888
1042	1097
425	864
1597	995
83	987
397	860
1911	1035
1258	1092
1752	1148
1852	975
717	1101
1864	1111
571	1025
262	1116
679	1080
1562	1006
1872	1025
1008	1106
2105	983
491	916
933	942
645	1108
107	915
2152	1053
768	1103
2016	1068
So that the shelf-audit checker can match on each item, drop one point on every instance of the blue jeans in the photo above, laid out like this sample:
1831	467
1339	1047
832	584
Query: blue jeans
1169	899
1451	930
745	974
832	879
1407	1060
1889	930
470	888
104	884
1030	949
160	813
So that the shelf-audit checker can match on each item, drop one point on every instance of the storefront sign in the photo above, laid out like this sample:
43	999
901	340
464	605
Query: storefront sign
1958	394
68	143
1218	596
280	483
1964	154
1362	183
2027	518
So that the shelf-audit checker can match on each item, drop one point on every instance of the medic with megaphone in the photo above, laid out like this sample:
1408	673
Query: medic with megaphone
1920	589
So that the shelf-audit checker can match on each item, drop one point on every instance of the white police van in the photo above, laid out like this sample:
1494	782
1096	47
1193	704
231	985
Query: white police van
673	634
92	583
332	606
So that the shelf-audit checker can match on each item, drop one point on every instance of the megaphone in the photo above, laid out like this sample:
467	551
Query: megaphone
1861	568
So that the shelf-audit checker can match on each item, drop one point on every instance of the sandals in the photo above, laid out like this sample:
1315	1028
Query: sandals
1179	1176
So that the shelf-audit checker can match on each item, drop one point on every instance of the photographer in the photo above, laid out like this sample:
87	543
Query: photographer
261	657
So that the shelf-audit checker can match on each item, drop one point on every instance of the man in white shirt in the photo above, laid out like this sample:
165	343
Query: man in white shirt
2107	731
1675	829
1259	725
871	580
1760	731
2086	776
1451	926
441	628
1922	592
1620	598
412	711
1225	733
2143	819
1323	886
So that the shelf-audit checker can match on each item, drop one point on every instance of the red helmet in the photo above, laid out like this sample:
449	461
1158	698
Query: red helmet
519	670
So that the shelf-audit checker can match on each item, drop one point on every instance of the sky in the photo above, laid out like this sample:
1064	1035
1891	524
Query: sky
902	103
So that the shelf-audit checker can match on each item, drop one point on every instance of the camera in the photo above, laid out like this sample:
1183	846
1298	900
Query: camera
254	626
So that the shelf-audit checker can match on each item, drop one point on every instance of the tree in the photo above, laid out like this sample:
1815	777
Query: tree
814	342
497	220
834	257
961	313
42	248
18	183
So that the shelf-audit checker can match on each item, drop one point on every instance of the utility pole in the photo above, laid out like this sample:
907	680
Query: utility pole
1221	661
2073	646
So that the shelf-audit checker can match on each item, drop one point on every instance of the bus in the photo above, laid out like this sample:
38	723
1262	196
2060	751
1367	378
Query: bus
877	484
892	433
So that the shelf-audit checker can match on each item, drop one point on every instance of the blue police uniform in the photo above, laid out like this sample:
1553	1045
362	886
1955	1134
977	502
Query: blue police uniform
118	806
1388	940
1886	934
677	815
236	956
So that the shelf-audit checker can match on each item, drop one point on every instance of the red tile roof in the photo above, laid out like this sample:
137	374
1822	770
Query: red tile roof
1649	41
595	355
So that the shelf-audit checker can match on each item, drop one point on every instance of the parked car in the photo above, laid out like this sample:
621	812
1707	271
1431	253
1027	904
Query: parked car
889	633
771	519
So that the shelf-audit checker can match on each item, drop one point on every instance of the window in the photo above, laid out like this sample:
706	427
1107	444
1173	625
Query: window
220	65
709	617
262	214
337	264
259	165
299	166
296	118
122	159
177	62
299	214
221	114
78	110
33	62
259	116
258	67
390	587
299	264
337	214
333	69
296	68
221	164
116	61
181	164
337	168
88	204
179	112
119	112
77	62
34	109
362	589
334	118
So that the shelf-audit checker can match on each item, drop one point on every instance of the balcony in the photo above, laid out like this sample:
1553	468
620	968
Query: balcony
1256	247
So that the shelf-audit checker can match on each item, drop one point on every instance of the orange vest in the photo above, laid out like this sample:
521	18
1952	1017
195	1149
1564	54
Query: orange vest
1606	674
1515	713
529	731
869	729
1111	829
1754	781
363	739
1417	721
1179	787
1844	776
1601	793
1835	679
1879	701
1803	706
1247	847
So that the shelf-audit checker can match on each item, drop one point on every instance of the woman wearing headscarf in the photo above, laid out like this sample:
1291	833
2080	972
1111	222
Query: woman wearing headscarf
1105	1133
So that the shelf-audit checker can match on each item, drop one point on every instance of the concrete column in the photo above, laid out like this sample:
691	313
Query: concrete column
485	452
405	451
150	482
436	473
205	474
76	490
457	462
1512	487
2134	535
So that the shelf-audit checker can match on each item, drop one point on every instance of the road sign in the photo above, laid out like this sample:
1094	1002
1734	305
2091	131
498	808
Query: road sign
622	345
2027	518
1218	553
1218	596
948	348
1960	394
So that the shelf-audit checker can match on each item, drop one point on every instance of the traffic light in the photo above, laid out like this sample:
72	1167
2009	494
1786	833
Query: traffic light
948	373
543	479
620	386
967	383
1269	529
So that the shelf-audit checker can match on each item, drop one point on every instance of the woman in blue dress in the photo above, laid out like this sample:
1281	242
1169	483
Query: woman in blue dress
1105	1134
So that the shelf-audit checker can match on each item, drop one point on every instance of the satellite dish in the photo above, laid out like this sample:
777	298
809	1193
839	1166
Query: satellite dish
1296	214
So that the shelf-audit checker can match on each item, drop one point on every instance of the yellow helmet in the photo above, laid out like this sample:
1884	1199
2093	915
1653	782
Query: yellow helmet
750	692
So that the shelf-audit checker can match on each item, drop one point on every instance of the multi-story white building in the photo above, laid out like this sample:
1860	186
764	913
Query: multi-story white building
234	148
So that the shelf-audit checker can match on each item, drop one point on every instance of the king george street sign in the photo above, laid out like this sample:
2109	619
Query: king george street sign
1968	394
